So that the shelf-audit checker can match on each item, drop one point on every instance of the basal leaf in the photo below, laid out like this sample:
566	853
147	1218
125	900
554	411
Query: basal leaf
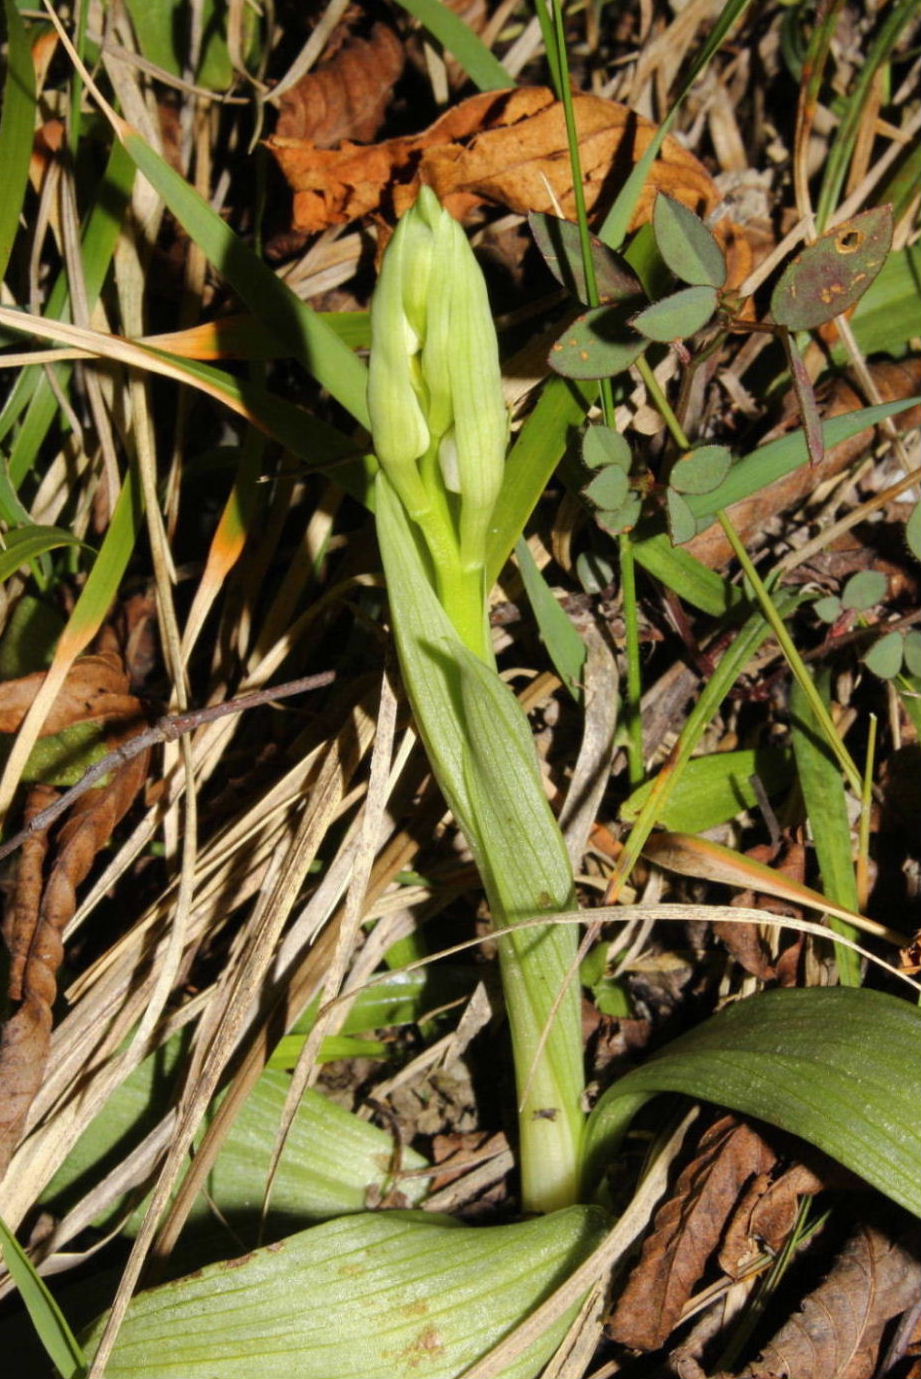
831	275
677	316
686	245
714	789
837	1066
599	344
561	246
388	1295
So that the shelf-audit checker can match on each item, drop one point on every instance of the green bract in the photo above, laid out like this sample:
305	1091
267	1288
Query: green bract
438	417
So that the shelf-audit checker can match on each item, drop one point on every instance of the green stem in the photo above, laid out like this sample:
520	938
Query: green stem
793	658
663	406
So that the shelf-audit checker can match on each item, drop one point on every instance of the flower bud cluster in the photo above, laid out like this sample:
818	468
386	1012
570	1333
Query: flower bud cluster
438	418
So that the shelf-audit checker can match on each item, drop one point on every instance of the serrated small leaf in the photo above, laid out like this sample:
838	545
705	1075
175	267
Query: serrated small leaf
701	470
913	531
623	518
609	488
831	275
686	245
561	246
682	524
677	316
599	344
828	609
864	590
602	445
885	656
911	650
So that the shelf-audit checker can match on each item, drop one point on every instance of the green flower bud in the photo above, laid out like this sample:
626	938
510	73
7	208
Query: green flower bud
435	388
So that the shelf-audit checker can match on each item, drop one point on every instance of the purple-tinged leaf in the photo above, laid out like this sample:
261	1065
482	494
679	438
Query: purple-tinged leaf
802	386
678	316
686	245
561	246
831	275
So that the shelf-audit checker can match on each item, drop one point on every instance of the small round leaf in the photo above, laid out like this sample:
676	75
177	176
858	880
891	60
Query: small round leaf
885	656
682	524
602	445
864	590
598	344
911	650
828	609
831	275
702	470
560	243
686	245
609	488
677	316
623	518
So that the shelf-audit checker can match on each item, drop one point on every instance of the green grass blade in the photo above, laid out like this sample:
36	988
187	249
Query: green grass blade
308	337
565	647
826	807
780	457
482	66
16	125
686	576
533	458
837	1066
47	1318
28	543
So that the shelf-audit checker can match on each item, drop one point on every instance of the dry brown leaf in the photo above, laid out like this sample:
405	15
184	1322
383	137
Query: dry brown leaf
39	908
687	1230
507	147
894	381
837	1334
767	1214
96	691
345	98
744	941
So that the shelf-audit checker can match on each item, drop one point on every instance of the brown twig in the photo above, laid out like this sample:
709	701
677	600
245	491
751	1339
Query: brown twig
166	729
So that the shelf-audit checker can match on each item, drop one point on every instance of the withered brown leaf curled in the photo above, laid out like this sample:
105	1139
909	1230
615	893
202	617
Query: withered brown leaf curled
506	147
347	97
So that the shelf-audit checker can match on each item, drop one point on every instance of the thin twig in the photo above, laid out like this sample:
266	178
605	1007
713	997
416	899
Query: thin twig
167	729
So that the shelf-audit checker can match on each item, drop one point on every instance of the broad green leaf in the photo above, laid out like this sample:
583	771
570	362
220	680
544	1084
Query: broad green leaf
884	657
28	543
677	316
481	65
837	1066
598	344
701	470
561	246
826	808
393	1295
714	789
780	457
828	277
686	245
331	1161
602	445
864	589
16	128
50	1324
557	632
163	33
609	488
682	525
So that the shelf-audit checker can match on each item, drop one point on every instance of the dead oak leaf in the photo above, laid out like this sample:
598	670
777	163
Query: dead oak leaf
506	147
347	97
96	690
